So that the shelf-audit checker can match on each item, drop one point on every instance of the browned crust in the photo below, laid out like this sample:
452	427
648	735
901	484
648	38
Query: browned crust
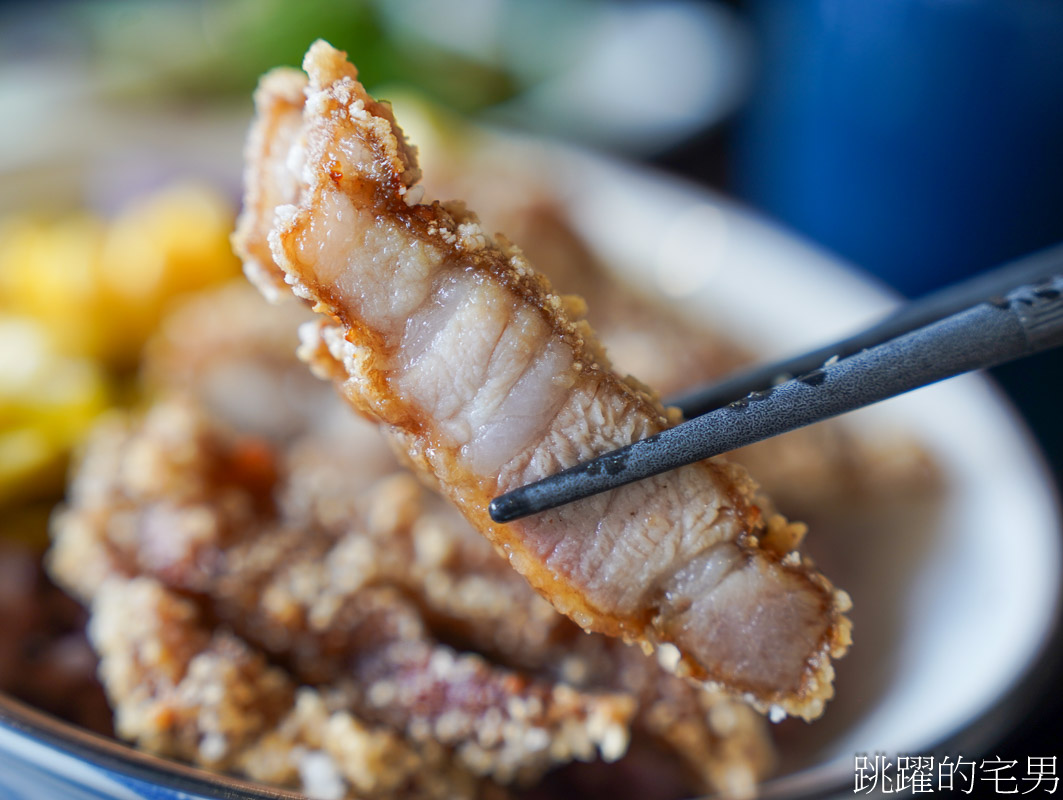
333	96
279	96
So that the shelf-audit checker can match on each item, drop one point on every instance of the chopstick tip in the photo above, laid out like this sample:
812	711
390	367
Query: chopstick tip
508	507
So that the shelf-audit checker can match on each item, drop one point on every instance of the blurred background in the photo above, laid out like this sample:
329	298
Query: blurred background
919	140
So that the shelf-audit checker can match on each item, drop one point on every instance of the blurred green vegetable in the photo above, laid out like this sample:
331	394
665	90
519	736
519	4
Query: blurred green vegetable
221	48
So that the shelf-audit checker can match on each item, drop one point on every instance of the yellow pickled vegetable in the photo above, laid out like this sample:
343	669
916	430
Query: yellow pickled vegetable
47	402
100	288
78	298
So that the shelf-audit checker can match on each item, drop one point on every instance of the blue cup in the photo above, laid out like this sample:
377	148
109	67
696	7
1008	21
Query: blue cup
920	139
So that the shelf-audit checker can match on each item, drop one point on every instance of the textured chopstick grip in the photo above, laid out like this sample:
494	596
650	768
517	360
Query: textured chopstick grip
1041	311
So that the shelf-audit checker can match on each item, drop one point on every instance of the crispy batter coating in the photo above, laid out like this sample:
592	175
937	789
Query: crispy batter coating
295	547
487	381
183	690
194	510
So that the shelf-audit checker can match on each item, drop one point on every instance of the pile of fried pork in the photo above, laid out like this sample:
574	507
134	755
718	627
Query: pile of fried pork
296	580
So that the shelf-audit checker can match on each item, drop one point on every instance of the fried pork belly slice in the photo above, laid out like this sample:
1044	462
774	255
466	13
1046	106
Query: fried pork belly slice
321	746
404	535
173	478
183	507
464	354
821	471
171	682
721	742
716	742
184	691
500	723
824	472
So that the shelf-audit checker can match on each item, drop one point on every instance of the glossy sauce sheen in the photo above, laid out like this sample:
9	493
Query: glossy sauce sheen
450	340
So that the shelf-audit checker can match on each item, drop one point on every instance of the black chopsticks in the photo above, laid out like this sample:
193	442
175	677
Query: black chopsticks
1009	313
1031	269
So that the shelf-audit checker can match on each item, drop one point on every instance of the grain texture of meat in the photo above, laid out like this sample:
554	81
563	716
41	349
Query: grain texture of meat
822	472
489	380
